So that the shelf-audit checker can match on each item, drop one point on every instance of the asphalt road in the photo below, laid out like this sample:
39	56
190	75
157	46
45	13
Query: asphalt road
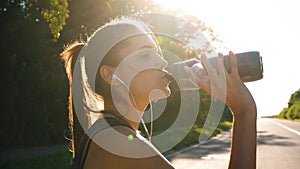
278	148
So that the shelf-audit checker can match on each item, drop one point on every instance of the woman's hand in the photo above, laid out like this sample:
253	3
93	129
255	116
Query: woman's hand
226	86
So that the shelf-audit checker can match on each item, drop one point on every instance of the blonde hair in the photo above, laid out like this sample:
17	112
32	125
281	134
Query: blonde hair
69	56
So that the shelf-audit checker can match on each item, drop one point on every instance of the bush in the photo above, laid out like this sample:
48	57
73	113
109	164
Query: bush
283	113
293	110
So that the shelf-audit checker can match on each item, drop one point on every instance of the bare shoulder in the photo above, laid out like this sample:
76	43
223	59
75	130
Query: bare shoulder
122	147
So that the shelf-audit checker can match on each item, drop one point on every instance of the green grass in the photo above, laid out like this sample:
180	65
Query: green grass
62	158
193	136
224	126
58	160
297	120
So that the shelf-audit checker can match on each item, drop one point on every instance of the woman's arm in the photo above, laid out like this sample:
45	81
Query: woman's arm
243	147
229	88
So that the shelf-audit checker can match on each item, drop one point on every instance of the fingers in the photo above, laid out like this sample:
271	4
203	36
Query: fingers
234	63
217	79
217	73
221	65
212	72
206	64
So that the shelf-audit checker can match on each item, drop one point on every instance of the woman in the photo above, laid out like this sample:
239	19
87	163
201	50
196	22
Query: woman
118	72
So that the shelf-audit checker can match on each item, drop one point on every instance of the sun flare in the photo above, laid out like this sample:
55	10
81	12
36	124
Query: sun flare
185	5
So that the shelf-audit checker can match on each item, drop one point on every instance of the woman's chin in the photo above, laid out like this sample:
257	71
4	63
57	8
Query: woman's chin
160	94
168	92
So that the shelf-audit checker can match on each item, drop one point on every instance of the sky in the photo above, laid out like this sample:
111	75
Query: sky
271	27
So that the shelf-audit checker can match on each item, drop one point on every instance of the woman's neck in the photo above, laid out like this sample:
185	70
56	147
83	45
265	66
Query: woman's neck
129	114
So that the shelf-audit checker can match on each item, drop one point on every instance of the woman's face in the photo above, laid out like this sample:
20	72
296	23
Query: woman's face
151	82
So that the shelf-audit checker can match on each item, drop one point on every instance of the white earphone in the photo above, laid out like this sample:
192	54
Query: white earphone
116	81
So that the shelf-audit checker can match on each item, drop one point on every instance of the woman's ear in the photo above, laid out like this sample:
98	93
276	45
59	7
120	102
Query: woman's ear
106	72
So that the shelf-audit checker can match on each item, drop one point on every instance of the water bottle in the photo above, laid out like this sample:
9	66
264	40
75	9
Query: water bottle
250	68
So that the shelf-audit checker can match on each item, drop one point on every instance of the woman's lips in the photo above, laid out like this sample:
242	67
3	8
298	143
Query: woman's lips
168	76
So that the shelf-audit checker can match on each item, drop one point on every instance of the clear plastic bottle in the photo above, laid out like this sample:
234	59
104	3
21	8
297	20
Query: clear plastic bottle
250	68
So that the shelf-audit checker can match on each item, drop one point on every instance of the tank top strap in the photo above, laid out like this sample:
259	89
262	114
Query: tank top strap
99	125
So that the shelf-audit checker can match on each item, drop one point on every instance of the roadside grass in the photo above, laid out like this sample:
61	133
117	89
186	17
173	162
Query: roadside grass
62	158
193	136
296	120
58	160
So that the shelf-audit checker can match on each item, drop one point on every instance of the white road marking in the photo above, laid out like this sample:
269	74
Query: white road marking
287	128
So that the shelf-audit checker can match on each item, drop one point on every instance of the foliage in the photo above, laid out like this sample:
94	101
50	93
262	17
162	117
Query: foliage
56	16
34	86
283	113
292	112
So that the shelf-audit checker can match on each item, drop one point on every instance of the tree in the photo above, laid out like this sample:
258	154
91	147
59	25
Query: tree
33	101
293	109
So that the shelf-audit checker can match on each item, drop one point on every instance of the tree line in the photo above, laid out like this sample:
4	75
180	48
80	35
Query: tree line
292	112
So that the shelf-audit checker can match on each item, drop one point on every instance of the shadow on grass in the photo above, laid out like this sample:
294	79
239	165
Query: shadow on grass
59	160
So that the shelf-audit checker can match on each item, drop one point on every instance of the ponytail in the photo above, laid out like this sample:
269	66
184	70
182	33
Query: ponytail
94	100
69	56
